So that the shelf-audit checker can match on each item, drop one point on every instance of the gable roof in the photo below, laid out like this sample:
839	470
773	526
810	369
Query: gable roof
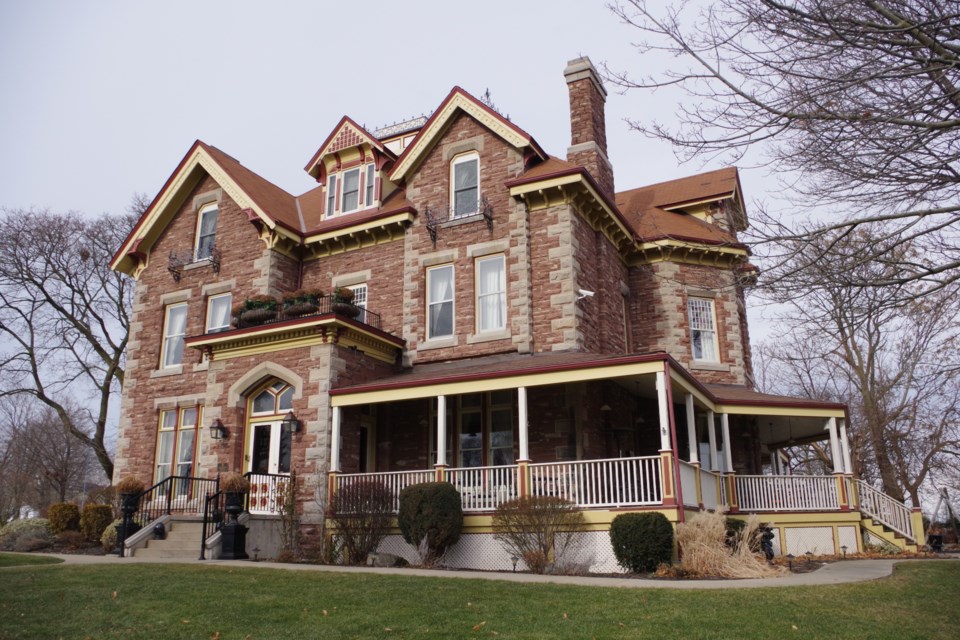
459	100
346	134
268	203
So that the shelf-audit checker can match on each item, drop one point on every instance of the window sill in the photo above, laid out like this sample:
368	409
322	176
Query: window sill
438	343
456	222
489	336
167	371
707	365
197	264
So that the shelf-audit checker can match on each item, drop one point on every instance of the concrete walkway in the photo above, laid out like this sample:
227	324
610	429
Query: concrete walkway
834	573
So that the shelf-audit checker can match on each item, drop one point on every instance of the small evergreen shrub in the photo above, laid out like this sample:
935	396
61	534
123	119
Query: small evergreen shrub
64	516
26	535
361	513
95	519
535	528
431	518
641	541
108	539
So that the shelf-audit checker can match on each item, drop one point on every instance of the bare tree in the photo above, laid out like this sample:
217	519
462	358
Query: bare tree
64	317
855	102
893	361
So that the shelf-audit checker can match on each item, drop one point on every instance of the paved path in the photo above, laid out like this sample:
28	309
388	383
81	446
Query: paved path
833	573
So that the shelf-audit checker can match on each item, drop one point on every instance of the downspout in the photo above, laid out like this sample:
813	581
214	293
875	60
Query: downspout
673	443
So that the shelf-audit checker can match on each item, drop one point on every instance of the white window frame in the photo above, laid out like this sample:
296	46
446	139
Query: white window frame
458	161
225	299
483	295
172	338
173	430
360	298
452	300
206	210
343	192
699	329
331	204
370	177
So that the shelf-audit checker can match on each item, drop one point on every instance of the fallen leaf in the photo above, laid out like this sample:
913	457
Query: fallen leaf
387	629
114	595
794	627
469	604
566	617
184	622
325	612
477	627
216	635
620	624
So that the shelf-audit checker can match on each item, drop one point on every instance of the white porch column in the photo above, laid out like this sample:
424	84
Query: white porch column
712	439
774	462
845	443
835	446
523	426
441	431
335	441
727	454
664	411
692	431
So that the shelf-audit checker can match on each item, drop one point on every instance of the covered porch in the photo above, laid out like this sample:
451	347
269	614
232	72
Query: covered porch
606	433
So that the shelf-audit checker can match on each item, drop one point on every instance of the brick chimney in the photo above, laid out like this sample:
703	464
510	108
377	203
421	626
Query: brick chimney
588	130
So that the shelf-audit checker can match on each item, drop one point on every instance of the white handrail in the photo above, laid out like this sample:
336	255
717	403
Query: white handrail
600	483
787	493
484	488
688	483
879	506
395	481
711	495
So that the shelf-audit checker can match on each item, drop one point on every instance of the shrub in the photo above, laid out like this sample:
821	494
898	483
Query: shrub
71	540
108	539
26	535
431	516
641	541
533	528
95	518
64	516
361	513
233	482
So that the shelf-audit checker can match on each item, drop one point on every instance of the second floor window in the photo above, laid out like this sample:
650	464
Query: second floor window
360	300
206	231
351	191
218	312
368	185
491	294
440	302
331	195
465	178
174	330
703	329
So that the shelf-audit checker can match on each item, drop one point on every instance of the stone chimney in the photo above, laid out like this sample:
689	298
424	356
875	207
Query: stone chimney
588	129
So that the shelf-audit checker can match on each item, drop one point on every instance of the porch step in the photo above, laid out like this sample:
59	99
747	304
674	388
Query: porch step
878	530
182	542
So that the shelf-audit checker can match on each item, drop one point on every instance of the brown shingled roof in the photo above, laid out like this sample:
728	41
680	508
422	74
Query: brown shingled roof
737	394
279	205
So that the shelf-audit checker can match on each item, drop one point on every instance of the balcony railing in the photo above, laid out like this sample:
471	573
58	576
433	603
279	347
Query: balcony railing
616	482
325	305
787	493
395	481
484	488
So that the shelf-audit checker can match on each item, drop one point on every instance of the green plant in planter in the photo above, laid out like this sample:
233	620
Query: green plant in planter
343	294
260	301
302	301
343	302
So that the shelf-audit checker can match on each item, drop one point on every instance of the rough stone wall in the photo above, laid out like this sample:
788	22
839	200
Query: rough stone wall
599	269
588	130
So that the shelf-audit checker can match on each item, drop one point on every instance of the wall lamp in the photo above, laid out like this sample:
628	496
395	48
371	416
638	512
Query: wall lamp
218	431
291	423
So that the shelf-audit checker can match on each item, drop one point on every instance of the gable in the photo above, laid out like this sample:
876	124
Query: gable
346	136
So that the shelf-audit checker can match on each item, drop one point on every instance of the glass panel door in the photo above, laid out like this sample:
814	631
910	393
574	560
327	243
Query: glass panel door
269	448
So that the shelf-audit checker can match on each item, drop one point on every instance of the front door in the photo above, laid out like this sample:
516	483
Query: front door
269	458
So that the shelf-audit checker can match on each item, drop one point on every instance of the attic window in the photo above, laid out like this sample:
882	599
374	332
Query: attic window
206	231
465	178
351	190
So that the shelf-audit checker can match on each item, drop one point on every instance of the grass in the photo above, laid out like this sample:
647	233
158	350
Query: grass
19	559
225	603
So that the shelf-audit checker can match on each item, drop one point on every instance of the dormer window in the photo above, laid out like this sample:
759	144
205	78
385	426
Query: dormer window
465	178
206	231
346	192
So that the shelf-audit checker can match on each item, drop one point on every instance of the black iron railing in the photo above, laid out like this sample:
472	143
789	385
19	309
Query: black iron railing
324	305
213	519
174	494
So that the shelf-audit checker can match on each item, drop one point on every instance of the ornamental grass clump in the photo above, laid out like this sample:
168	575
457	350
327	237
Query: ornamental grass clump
712	550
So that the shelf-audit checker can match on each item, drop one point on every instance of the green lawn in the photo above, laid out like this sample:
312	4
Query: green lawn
17	559
189	601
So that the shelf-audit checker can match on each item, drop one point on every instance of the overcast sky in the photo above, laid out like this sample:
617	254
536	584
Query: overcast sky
103	99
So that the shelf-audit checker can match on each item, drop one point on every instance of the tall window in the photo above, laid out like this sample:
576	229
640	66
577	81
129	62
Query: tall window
218	312
703	329
440	301
351	191
485	420
206	230
176	443
368	186
471	430
174	330
491	294
360	300
465	195
331	195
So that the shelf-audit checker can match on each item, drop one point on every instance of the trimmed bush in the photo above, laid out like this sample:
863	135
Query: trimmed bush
64	516
26	535
430	518
361	513
641	541
95	519
535	528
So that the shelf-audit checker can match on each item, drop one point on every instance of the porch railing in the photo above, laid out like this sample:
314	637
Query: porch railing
711	490
787	493
881	507
395	481
600	483
688	483
484	488
174	495
266	492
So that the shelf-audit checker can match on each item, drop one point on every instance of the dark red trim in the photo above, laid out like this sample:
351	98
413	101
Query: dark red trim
344	120
391	212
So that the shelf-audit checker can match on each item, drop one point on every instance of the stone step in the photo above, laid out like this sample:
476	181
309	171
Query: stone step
164	553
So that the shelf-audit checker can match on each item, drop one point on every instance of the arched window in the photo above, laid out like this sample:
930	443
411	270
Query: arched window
274	400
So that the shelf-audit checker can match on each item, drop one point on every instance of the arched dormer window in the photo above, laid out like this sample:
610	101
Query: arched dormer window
206	231
465	185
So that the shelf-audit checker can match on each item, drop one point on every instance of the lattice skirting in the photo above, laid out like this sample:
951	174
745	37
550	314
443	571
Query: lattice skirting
816	540
590	552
